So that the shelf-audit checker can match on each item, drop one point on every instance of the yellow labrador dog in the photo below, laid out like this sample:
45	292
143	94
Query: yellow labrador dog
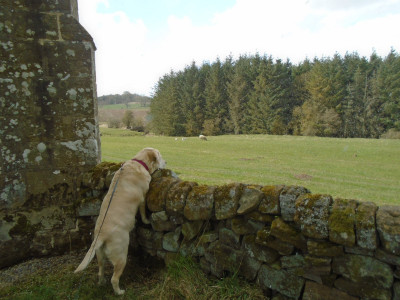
117	218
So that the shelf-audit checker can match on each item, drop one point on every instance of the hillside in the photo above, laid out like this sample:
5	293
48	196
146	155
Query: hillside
125	98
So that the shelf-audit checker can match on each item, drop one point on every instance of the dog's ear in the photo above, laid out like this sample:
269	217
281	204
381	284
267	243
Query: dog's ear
152	156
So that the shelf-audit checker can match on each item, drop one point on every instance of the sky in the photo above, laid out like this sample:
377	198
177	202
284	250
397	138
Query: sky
139	41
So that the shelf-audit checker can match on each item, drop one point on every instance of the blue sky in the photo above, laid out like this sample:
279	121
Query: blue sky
140	41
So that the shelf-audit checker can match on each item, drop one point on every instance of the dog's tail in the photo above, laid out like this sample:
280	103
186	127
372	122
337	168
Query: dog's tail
89	255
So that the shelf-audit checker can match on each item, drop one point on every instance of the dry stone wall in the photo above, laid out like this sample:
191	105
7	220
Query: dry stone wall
48	123
294	244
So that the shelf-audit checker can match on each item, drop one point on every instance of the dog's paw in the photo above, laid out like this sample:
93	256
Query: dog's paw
102	281
145	221
120	292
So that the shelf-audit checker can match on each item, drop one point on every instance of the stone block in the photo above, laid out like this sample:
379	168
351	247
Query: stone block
366	225
315	291
71	30
171	240
388	226
387	257
249	267
256	251
200	203
249	200
227	200
191	229
260	217
288	234
208	237
265	238
270	202
342	222
223	258
312	215
157	194
241	226
160	222
228	237
364	268
322	248
363	289
176	197
287	200
89	207
280	280
293	261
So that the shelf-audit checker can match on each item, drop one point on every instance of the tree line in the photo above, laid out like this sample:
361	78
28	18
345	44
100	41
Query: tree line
125	98
339	96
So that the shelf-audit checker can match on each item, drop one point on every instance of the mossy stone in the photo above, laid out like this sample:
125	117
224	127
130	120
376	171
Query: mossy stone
312	215
280	229
227	200
281	281
176	197
322	248
367	237
342	221
157	194
270	202
359	268
249	200
200	203
287	200
315	290
259	252
388	226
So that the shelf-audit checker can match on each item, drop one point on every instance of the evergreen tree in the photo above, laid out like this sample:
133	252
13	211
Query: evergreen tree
238	89
165	107
216	104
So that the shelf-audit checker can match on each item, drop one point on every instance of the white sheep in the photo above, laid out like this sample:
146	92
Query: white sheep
203	137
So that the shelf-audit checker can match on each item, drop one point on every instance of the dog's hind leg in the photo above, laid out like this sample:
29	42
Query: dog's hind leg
101	261
119	261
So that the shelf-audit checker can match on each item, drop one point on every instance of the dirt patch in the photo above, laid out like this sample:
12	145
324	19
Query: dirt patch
250	159
303	176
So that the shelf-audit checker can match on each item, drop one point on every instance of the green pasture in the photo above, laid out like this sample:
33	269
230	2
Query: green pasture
363	169
131	105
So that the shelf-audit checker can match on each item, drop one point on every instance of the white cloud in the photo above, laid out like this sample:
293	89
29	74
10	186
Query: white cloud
121	44
128	59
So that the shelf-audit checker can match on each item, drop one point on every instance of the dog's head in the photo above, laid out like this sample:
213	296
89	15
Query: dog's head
153	159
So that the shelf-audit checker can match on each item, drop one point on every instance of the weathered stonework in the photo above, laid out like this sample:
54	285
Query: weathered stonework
49	131
287	259
322	249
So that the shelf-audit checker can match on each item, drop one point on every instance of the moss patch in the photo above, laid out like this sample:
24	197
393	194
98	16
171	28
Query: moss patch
24	227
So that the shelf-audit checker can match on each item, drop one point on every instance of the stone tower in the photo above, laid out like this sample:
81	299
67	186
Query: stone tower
49	132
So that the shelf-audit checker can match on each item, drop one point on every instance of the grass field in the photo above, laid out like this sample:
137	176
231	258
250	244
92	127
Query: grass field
131	105
363	169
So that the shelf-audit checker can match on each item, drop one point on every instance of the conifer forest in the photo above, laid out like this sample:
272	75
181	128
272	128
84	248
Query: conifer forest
339	96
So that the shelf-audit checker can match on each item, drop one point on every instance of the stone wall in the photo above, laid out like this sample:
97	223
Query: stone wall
294	244
48	123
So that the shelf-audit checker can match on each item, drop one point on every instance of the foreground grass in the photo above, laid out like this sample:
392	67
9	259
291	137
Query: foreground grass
364	169
143	278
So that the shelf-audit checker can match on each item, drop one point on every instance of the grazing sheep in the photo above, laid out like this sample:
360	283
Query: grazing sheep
203	137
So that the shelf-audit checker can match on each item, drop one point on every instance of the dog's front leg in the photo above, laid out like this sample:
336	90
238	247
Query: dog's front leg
142	208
